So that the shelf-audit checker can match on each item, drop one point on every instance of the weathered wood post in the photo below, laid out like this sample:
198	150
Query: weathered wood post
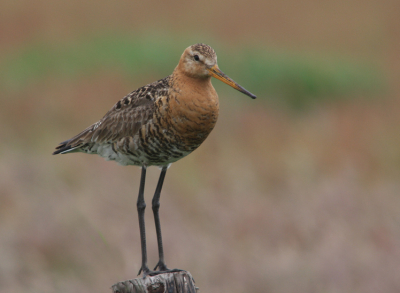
177	282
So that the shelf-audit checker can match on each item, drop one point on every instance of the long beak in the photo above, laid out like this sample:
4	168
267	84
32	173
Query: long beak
218	74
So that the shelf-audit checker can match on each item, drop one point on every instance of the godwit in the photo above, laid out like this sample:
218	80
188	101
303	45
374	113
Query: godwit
156	125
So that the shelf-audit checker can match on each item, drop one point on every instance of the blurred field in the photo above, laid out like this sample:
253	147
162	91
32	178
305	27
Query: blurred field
297	191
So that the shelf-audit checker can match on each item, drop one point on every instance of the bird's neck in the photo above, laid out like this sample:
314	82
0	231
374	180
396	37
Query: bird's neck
193	88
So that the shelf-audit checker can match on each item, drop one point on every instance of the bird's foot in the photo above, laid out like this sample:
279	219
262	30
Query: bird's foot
161	265
155	273
143	269
163	270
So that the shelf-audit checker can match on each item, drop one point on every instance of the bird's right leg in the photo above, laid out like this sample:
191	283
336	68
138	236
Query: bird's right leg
141	206
156	206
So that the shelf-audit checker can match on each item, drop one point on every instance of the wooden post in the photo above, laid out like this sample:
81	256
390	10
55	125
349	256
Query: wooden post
177	282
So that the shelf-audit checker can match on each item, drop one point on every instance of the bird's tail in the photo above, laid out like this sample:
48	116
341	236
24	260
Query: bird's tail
65	147
74	144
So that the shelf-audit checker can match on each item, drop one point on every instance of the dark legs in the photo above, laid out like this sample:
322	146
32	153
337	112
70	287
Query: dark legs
141	205
156	206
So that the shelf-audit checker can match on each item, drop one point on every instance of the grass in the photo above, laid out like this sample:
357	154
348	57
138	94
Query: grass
297	80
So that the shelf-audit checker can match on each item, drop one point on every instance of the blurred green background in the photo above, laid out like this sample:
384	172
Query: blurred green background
297	191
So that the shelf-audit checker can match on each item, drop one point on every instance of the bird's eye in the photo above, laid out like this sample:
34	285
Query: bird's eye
196	57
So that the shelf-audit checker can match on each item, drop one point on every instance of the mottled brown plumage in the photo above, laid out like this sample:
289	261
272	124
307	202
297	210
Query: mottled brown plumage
158	124
161	122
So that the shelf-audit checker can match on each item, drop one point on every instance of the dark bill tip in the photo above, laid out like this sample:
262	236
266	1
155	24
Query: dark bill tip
246	92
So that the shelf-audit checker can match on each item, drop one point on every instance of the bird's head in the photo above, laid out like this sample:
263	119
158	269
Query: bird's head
200	61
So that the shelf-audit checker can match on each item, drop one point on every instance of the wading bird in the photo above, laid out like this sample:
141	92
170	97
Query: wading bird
156	125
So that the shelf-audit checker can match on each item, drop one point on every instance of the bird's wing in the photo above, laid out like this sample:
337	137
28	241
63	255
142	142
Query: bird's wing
124	119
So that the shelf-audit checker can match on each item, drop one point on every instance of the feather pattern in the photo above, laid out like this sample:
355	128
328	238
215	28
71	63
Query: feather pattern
161	122
124	119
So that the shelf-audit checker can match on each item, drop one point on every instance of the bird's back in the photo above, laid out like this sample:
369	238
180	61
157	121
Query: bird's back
154	125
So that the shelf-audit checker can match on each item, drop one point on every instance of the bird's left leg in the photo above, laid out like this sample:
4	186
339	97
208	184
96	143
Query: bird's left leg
156	206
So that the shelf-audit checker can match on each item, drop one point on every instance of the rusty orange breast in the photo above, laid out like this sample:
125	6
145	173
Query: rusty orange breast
192	109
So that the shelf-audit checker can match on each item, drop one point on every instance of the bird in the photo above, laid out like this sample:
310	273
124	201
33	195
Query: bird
157	125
